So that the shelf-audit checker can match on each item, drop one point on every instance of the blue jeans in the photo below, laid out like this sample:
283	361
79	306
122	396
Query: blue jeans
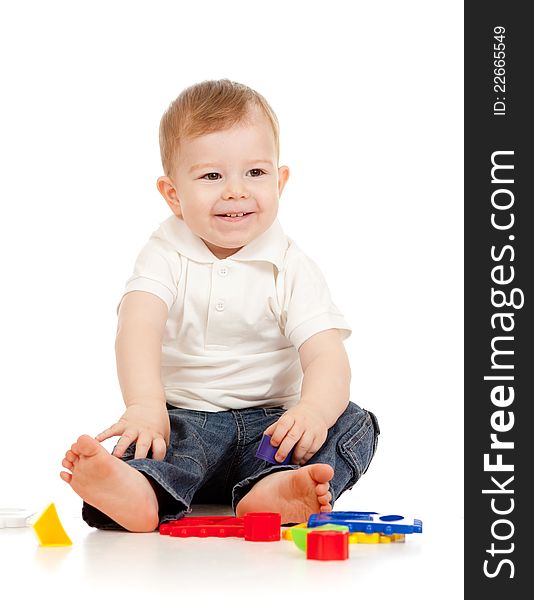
211	458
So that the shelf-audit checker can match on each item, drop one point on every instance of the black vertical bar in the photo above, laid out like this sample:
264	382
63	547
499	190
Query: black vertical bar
499	257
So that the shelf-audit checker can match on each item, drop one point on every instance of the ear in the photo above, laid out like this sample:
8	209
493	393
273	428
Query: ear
283	175
167	189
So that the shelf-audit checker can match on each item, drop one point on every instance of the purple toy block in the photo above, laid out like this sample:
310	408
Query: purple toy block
266	452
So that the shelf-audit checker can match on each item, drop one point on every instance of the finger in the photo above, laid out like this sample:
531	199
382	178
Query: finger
159	448
142	445
282	427
326	508
292	437
302	448
311	452
270	429
124	442
116	429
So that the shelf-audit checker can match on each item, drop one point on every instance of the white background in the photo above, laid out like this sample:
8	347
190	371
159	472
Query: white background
369	96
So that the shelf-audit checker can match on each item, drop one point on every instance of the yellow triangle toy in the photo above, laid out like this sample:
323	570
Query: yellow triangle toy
49	529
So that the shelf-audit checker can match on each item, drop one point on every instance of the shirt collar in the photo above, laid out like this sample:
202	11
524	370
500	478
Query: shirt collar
270	246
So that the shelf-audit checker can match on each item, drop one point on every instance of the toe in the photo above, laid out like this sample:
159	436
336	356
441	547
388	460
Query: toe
67	464
322	488
321	472
71	457
87	445
65	476
325	499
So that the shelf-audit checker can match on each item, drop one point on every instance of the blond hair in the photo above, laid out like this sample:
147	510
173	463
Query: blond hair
207	107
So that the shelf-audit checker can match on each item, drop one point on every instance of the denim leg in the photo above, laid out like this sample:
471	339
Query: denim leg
251	423
201	444
349	449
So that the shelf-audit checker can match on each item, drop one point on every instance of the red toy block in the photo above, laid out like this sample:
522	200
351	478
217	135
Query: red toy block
216	526
327	545
254	527
263	527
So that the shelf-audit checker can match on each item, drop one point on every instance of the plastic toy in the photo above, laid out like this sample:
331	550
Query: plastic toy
49	529
253	527
207	526
368	522
287	533
14	517
358	537
300	535
262	527
327	545
267	452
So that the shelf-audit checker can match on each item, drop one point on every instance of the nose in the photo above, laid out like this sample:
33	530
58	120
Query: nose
235	189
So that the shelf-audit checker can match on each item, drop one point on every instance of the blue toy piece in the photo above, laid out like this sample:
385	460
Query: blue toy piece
266	452
367	522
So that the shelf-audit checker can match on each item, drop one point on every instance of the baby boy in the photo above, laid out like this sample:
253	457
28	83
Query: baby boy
226	331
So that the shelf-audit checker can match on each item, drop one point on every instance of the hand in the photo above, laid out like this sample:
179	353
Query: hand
299	427
148	426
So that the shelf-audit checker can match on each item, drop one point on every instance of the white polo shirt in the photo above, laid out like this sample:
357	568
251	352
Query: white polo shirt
235	325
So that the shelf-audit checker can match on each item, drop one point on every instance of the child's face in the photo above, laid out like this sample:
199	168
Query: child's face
227	172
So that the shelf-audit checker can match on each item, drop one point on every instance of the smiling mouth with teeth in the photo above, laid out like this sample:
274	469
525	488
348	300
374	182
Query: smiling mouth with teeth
234	214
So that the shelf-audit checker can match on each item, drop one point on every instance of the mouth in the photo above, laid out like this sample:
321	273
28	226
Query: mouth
233	217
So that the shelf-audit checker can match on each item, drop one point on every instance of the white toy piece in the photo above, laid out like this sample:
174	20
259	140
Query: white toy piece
15	517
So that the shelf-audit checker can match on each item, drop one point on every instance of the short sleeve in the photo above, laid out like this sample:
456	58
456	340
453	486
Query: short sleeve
157	270
307	305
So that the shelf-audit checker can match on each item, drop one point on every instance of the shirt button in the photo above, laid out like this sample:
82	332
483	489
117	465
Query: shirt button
219	305
223	271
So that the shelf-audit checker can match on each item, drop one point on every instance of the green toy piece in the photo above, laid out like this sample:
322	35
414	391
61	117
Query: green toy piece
299	535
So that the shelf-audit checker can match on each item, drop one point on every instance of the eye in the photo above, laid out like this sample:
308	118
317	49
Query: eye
211	176
256	172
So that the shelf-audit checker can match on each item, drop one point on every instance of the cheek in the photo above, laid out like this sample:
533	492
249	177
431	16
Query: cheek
197	204
268	193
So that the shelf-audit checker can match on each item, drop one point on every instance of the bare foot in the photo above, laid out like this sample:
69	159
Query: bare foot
111	485
295	494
